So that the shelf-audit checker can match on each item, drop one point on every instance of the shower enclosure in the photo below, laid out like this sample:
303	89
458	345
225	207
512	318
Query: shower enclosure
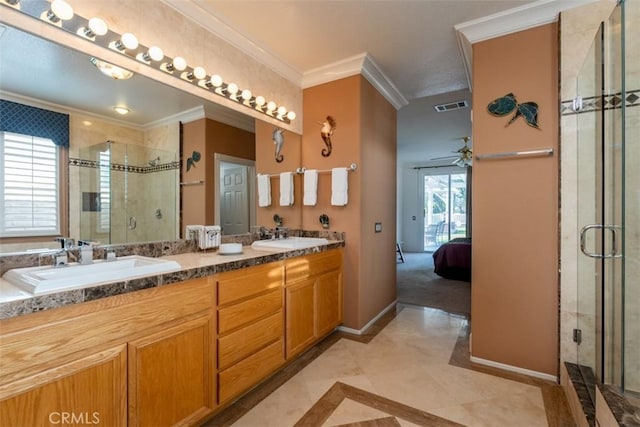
608	208
128	193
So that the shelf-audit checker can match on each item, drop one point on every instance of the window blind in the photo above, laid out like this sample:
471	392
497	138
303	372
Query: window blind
28	186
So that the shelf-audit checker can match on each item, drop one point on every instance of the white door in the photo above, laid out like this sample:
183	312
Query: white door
234	200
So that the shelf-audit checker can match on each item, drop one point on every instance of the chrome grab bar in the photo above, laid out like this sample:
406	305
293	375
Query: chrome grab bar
614	253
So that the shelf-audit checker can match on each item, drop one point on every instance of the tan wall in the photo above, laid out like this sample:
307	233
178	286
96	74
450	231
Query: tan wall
366	135
266	164
378	180
208	137
515	205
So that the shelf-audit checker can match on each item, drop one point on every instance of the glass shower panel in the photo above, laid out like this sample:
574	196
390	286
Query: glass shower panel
589	131
630	39
95	193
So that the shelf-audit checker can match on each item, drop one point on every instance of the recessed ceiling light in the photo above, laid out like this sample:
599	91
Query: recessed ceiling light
121	110
111	70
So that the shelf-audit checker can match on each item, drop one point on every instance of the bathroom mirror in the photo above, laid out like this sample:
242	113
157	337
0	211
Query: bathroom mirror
65	80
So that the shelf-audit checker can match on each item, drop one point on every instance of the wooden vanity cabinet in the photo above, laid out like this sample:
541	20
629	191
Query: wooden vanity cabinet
143	358
313	299
250	327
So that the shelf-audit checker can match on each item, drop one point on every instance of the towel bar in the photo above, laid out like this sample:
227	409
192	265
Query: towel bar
352	168
531	153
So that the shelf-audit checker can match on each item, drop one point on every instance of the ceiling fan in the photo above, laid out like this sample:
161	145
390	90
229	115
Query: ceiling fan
464	155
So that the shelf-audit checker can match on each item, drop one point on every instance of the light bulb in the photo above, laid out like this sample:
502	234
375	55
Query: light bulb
291	115
260	101
62	10
232	88
129	41
179	63
246	94
282	111
98	27
155	53
271	106
200	73
216	80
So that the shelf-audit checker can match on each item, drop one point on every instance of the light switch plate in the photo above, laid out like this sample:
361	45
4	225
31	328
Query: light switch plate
378	227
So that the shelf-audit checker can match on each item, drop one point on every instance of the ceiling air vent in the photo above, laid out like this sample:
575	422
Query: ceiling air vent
451	106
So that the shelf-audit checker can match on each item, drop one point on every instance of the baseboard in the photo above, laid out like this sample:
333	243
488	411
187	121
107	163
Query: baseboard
516	369
371	322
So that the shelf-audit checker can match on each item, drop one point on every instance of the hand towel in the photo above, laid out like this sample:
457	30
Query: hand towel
310	187
286	189
339	186
264	190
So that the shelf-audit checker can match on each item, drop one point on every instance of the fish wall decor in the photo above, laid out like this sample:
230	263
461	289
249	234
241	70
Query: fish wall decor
278	139
328	126
508	103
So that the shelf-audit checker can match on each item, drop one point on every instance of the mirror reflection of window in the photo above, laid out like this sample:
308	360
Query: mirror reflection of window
28	186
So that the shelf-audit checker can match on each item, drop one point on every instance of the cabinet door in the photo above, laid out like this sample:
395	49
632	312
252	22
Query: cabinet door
300	329
171	375
91	390
328	307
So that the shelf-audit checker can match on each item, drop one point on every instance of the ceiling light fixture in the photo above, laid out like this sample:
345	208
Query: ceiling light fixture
111	70
59	11
121	110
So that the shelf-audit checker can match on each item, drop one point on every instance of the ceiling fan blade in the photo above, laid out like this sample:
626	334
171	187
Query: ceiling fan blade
443	158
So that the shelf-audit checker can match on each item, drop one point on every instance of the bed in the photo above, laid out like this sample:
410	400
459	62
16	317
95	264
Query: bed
452	260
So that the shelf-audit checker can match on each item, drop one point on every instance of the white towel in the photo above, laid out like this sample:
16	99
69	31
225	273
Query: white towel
264	190
339	186
286	189
310	187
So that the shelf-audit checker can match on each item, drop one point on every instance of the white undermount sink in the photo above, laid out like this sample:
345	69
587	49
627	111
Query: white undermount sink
40	280
289	243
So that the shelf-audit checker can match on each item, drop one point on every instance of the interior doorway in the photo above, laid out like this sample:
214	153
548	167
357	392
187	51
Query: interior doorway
234	194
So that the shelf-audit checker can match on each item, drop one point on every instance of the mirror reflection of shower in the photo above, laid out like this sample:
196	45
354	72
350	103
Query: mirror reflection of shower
119	181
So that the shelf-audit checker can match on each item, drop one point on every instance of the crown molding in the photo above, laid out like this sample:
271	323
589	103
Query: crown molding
507	22
217	25
186	116
358	64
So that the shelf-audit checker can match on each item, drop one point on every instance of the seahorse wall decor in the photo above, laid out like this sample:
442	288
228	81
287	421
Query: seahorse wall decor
328	126
505	105
278	139
191	161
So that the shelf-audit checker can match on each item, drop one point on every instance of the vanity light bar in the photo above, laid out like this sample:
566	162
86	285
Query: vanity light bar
60	13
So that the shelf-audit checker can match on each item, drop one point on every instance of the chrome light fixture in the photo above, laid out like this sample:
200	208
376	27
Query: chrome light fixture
61	14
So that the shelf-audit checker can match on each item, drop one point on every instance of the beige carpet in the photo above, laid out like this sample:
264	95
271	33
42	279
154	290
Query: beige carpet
417	284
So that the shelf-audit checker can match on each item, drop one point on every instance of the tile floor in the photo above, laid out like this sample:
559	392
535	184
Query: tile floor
412	370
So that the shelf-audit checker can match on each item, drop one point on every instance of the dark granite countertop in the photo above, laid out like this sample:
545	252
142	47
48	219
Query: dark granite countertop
16	302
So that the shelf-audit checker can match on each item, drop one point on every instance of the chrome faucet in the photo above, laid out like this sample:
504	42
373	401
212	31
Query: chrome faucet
61	258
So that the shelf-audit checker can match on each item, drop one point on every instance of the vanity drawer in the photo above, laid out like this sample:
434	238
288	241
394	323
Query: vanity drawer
300	268
250	371
237	315
244	283
246	341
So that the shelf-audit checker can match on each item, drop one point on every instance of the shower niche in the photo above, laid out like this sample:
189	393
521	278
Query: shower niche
128	193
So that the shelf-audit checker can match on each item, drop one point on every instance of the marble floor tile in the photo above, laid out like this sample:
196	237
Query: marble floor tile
412	371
